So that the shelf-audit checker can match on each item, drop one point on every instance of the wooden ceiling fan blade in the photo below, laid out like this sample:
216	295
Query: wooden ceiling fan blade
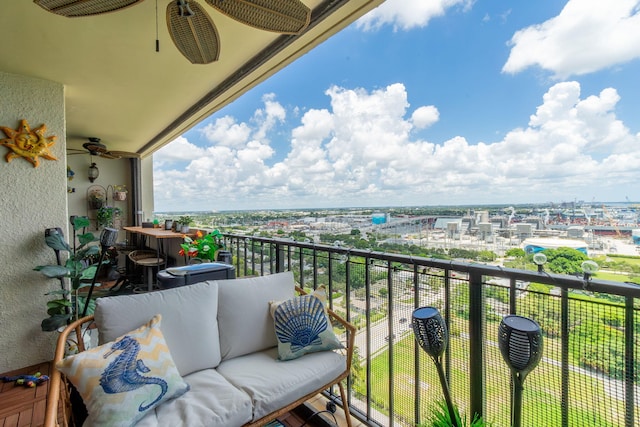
193	32
79	8
280	16
125	154
110	155
75	151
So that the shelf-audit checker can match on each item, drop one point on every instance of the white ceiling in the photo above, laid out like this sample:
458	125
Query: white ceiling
118	88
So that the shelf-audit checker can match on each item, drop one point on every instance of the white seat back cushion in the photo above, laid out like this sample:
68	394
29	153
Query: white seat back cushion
189	321
245	324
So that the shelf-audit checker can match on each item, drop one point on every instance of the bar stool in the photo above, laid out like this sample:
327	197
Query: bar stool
147	260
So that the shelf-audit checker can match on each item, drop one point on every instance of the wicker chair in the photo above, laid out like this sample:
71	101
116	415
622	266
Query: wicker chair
147	259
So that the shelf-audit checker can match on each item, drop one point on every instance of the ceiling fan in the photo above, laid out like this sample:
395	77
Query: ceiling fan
95	148
191	28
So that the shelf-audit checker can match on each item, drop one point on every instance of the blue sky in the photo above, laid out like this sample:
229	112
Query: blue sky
430	102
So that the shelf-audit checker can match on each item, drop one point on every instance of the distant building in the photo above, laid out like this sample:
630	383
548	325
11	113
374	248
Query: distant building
442	223
524	230
378	218
537	244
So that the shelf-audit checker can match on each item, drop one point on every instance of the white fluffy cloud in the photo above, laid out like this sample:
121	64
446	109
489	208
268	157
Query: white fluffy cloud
407	14
360	151
424	117
588	35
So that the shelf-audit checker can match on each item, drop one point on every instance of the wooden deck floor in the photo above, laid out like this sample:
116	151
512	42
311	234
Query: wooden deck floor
22	406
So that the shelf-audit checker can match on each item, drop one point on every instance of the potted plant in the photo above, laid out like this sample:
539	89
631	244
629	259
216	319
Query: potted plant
96	199
184	222
203	247
106	215
120	193
76	272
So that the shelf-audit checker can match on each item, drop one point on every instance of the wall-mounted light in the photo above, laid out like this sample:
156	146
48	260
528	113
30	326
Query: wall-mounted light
540	259
93	172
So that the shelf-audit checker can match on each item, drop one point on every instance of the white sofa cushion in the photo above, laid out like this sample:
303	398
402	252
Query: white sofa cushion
272	383
244	320
211	402
189	321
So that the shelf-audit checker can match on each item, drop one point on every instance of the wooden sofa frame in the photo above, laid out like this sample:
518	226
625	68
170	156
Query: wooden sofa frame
59	412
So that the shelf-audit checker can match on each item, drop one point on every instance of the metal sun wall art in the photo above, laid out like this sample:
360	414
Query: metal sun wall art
28	143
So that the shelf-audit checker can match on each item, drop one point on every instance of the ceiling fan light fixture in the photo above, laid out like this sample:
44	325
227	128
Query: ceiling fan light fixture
194	35
78	8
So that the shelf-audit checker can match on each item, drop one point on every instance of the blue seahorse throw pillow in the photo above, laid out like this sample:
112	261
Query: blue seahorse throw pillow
121	381
302	326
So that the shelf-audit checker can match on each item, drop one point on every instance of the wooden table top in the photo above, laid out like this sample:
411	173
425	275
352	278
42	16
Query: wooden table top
158	233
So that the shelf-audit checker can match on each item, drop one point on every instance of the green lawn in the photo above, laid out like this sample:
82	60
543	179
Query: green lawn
616	277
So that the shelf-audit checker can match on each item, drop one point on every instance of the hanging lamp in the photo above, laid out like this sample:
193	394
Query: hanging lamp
93	172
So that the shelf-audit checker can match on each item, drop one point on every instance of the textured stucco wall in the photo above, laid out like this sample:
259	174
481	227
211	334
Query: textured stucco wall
32	200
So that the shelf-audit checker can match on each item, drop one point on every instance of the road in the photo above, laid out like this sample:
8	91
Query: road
380	329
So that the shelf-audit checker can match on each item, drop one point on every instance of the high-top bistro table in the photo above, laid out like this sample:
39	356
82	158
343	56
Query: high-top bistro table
160	234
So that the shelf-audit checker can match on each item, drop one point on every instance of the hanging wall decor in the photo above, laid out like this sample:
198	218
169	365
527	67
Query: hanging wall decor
28	143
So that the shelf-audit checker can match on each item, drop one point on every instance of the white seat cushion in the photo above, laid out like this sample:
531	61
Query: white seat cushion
244	320
273	384
211	402
189	321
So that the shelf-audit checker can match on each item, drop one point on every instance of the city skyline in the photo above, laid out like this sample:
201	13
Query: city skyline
425	104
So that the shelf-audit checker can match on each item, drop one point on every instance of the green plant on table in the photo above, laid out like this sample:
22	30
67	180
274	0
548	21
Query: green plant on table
184	220
76	272
203	247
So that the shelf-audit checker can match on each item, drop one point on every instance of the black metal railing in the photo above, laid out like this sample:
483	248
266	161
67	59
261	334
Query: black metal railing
589	374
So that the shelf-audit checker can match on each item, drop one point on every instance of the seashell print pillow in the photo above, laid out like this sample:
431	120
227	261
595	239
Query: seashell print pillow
302	326
121	381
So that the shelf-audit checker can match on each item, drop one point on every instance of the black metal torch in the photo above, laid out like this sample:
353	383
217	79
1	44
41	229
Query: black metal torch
520	341
432	335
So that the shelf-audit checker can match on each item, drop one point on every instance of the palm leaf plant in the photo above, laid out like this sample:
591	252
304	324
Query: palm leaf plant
441	417
76	272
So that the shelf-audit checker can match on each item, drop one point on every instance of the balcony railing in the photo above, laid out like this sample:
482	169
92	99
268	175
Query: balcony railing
589	373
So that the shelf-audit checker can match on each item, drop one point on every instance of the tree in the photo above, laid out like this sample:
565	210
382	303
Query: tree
515	252
564	260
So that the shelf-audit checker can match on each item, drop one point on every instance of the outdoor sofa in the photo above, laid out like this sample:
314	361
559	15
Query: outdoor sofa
217	351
